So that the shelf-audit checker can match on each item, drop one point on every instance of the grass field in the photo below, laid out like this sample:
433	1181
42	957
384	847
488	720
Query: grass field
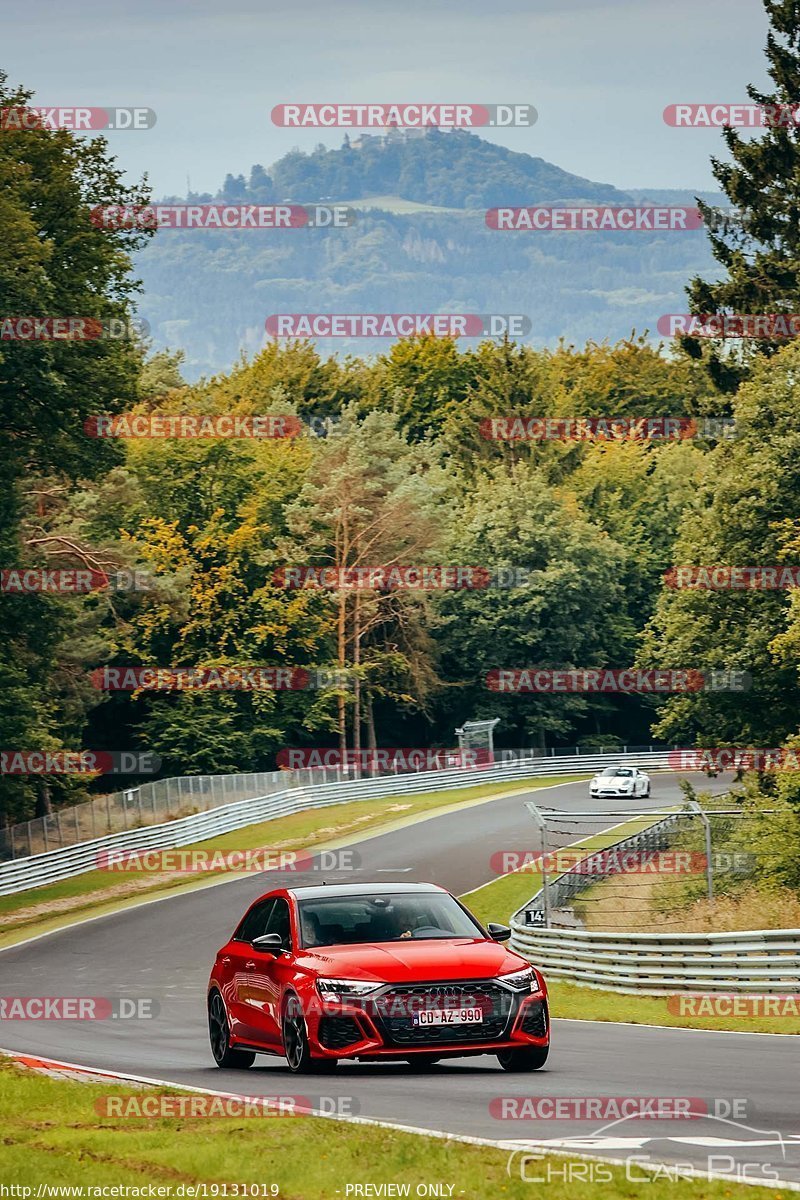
53	1135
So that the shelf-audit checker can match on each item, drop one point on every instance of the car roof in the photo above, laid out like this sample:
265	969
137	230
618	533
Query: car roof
332	890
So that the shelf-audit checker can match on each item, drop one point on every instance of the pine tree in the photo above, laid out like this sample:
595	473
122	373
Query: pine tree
759	243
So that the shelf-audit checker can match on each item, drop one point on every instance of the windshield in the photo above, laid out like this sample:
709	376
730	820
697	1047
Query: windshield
626	772
354	920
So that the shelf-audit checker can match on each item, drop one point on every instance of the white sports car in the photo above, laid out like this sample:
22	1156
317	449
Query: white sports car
620	781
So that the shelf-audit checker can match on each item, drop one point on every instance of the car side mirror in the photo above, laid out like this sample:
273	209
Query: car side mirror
498	933
268	943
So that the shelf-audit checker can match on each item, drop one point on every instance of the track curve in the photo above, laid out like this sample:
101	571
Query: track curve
164	949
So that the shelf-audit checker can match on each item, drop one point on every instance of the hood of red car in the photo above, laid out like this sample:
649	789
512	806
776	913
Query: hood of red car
411	961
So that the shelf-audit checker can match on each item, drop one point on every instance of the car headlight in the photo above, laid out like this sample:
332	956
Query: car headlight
521	981
346	987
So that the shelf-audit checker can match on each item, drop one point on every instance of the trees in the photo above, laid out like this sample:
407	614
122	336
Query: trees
372	499
567	610
749	492
424	380
758	245
53	262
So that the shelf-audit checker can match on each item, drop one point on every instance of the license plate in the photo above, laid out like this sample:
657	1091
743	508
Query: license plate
448	1016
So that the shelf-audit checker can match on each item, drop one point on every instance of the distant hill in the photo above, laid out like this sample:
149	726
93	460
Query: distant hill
452	170
420	244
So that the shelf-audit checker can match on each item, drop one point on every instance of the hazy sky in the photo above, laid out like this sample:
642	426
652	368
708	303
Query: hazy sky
599	73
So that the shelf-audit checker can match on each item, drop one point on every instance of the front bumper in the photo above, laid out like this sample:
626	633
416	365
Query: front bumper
618	793
381	1025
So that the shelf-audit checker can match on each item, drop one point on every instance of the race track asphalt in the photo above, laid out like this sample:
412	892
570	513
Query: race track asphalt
165	949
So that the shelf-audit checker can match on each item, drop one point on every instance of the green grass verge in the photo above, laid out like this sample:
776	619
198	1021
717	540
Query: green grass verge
496	901
52	1134
595	1004
95	892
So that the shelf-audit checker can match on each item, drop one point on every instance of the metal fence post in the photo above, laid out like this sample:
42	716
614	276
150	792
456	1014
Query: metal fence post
538	817
695	807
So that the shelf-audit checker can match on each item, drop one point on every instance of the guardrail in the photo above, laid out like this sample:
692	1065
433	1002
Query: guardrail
655	964
160	800
302	790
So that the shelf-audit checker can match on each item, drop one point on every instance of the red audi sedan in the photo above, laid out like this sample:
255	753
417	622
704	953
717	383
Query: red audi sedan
387	972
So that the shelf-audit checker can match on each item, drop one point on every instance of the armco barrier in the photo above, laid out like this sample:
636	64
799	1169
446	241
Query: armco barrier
301	792
159	800
655	964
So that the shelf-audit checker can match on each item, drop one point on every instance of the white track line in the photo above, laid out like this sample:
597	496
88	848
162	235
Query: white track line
504	1144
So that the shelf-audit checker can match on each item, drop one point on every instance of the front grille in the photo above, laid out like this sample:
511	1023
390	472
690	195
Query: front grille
393	1010
534	1021
337	1032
